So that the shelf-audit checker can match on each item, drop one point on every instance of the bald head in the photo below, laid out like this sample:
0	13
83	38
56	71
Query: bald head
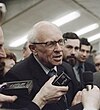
42	29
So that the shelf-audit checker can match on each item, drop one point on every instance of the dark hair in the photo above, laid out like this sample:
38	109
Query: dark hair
10	55
84	41
70	35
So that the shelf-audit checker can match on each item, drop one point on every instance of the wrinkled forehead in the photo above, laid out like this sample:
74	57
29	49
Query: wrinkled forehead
73	42
85	47
50	36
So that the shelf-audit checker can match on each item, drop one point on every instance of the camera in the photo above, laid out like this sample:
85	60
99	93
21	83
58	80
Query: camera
61	80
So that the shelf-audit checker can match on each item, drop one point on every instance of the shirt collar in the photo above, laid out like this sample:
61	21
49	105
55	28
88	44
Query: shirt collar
45	68
77	65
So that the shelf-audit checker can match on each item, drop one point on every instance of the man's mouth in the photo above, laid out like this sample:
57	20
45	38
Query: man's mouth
57	58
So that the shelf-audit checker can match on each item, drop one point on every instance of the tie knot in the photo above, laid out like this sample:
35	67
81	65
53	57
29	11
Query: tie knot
52	72
80	66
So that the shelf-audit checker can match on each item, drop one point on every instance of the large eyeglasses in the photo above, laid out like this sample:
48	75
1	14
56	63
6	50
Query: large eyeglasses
51	44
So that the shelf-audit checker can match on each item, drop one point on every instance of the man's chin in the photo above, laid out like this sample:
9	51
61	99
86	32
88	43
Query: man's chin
72	61
57	62
82	60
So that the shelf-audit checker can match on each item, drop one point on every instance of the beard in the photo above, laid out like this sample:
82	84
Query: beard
71	60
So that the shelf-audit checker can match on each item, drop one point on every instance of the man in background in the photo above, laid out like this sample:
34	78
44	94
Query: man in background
81	65
26	50
85	50
71	48
97	62
70	53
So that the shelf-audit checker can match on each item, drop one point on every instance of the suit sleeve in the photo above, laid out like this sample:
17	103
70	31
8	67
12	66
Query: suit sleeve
77	107
22	105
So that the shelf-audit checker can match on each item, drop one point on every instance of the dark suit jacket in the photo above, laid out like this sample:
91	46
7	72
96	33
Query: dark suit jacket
29	69
89	67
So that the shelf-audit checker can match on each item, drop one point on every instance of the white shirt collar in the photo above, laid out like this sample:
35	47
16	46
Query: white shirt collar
45	68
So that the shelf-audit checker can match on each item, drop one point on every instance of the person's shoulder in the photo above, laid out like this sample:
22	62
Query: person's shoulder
67	67
23	63
66	64
16	72
90	66
77	107
88	63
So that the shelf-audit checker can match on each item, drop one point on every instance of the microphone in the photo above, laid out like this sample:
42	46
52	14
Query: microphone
96	79
88	79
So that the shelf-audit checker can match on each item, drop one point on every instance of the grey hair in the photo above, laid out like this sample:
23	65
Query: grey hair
32	35
98	53
38	30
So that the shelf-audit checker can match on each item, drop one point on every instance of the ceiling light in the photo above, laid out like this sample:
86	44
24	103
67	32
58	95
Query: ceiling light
93	38
18	42
67	18
87	29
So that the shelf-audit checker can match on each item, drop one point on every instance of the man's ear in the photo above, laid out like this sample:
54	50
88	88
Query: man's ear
33	48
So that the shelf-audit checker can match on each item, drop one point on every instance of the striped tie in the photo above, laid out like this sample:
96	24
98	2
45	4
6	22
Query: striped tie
52	72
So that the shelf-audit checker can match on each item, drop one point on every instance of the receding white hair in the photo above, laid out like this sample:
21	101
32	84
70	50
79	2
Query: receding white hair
40	27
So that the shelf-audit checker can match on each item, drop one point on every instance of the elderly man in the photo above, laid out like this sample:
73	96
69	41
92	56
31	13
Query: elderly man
43	96
46	44
26	50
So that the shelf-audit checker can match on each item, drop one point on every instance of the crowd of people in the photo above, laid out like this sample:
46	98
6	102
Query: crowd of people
49	50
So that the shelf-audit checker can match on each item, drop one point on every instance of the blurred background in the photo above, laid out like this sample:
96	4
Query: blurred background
79	16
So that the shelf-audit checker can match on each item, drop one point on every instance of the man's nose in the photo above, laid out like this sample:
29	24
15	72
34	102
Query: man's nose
73	51
84	53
